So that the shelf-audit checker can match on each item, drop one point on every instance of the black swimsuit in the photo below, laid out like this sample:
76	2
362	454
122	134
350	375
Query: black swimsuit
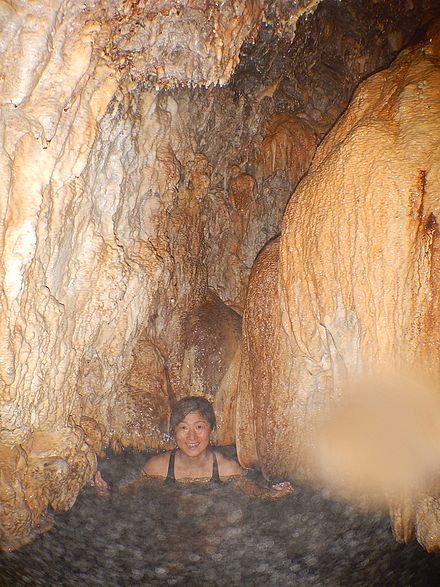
170	478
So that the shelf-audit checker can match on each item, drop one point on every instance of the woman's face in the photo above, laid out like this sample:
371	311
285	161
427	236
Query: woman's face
192	434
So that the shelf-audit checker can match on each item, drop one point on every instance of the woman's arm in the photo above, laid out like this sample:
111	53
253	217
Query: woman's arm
255	489
230	470
157	466
99	483
154	469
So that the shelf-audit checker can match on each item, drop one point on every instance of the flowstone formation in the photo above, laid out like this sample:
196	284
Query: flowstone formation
357	287
105	240
148	150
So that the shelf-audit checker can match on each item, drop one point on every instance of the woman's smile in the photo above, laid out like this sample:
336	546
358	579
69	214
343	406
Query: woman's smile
192	434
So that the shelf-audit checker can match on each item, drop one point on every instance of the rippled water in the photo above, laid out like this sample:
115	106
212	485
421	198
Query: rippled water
213	536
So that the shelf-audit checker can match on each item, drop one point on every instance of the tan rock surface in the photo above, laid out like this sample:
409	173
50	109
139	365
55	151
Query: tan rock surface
289	145
428	523
358	273
49	469
140	414
171	43
371	198
255	395
212	338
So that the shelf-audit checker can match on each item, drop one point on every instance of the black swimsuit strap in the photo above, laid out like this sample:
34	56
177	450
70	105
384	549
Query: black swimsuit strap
170	478
170	474
215	475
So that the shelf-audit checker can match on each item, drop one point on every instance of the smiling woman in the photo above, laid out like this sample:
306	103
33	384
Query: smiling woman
192	423
194	460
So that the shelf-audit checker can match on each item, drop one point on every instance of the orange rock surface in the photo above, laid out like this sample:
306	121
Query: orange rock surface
358	275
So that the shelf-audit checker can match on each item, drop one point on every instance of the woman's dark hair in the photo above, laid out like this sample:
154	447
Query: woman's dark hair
190	404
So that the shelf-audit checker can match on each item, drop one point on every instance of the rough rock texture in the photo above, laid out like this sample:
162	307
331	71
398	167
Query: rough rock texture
315	74
54	252
359	265
129	195
288	145
371	197
211	339
257	412
141	412
169	42
103	209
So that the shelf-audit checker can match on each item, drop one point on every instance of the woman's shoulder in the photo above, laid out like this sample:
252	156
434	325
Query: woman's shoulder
157	466
227	467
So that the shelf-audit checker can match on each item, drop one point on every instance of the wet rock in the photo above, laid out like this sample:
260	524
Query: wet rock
341	305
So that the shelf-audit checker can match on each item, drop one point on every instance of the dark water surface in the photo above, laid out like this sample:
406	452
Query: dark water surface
213	536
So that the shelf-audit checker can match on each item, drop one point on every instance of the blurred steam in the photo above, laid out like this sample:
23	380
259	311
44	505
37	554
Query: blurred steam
380	445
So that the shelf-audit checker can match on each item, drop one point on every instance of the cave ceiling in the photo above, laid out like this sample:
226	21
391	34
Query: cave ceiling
188	42
314	69
171	43
305	56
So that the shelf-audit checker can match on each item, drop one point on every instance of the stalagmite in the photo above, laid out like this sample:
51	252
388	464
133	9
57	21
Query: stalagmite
258	408
357	292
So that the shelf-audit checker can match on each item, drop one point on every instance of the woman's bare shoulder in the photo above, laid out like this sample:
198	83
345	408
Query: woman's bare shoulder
227	467
157	466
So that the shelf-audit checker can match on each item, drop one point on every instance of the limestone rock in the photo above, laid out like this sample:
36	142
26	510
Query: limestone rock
173	43
16	519
289	145
371	197
48	469
240	224
241	190
212	335
347	306
428	524
141	412
257	389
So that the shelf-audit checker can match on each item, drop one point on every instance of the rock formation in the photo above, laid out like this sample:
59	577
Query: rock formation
356	282
148	150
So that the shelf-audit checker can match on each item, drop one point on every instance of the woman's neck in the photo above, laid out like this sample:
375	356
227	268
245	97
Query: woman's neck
194	463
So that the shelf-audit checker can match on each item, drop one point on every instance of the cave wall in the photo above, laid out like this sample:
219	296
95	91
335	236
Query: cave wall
82	156
356	280
141	178
105	228
62	270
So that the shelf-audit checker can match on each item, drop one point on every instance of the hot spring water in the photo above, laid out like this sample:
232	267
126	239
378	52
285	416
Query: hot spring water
209	535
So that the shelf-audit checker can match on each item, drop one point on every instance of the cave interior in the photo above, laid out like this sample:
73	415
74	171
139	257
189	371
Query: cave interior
209	198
